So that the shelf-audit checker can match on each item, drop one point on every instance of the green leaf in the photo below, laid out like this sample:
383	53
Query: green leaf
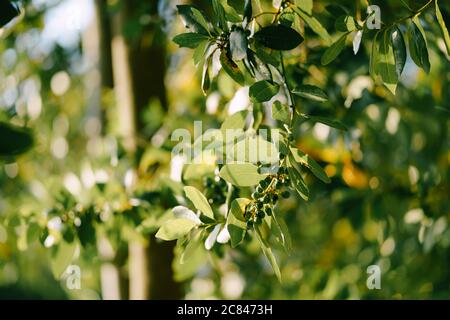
374	55
238	45
235	121
14	140
219	13
206	80
346	24
278	37
298	183
311	92
443	27
248	10
418	46
336	10
199	201
305	5
281	231
267	58
174	229
231	68
190	40
194	244
303	159
62	257
191	16
334	51
281	112
8	11
386	65
263	90
399	47
199	52
268	253
314	24
329	122
236	221
241	174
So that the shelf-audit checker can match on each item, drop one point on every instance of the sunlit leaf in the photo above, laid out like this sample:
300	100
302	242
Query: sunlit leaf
175	228
199	201
241	174
311	92
443	27
310	163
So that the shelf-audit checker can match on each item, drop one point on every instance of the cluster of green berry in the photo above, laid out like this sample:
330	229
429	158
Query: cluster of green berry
266	196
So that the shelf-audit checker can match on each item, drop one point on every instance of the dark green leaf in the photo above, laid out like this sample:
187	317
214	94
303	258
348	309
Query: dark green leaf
278	37
333	51
311	92
14	140
219	13
248	11
8	11
418	46
263	90
329	122
190	40
399	47
336	10
443	27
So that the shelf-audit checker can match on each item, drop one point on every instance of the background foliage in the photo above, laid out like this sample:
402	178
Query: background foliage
89	188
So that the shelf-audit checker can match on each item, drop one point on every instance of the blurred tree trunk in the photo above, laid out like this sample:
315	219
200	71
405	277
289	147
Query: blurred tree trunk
139	72
97	50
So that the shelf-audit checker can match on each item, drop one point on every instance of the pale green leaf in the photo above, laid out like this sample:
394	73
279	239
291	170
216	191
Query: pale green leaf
199	201
241	174
175	228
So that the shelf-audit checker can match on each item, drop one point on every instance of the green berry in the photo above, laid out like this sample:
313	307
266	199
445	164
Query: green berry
269	211
261	214
249	224
275	198
259	205
286	194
